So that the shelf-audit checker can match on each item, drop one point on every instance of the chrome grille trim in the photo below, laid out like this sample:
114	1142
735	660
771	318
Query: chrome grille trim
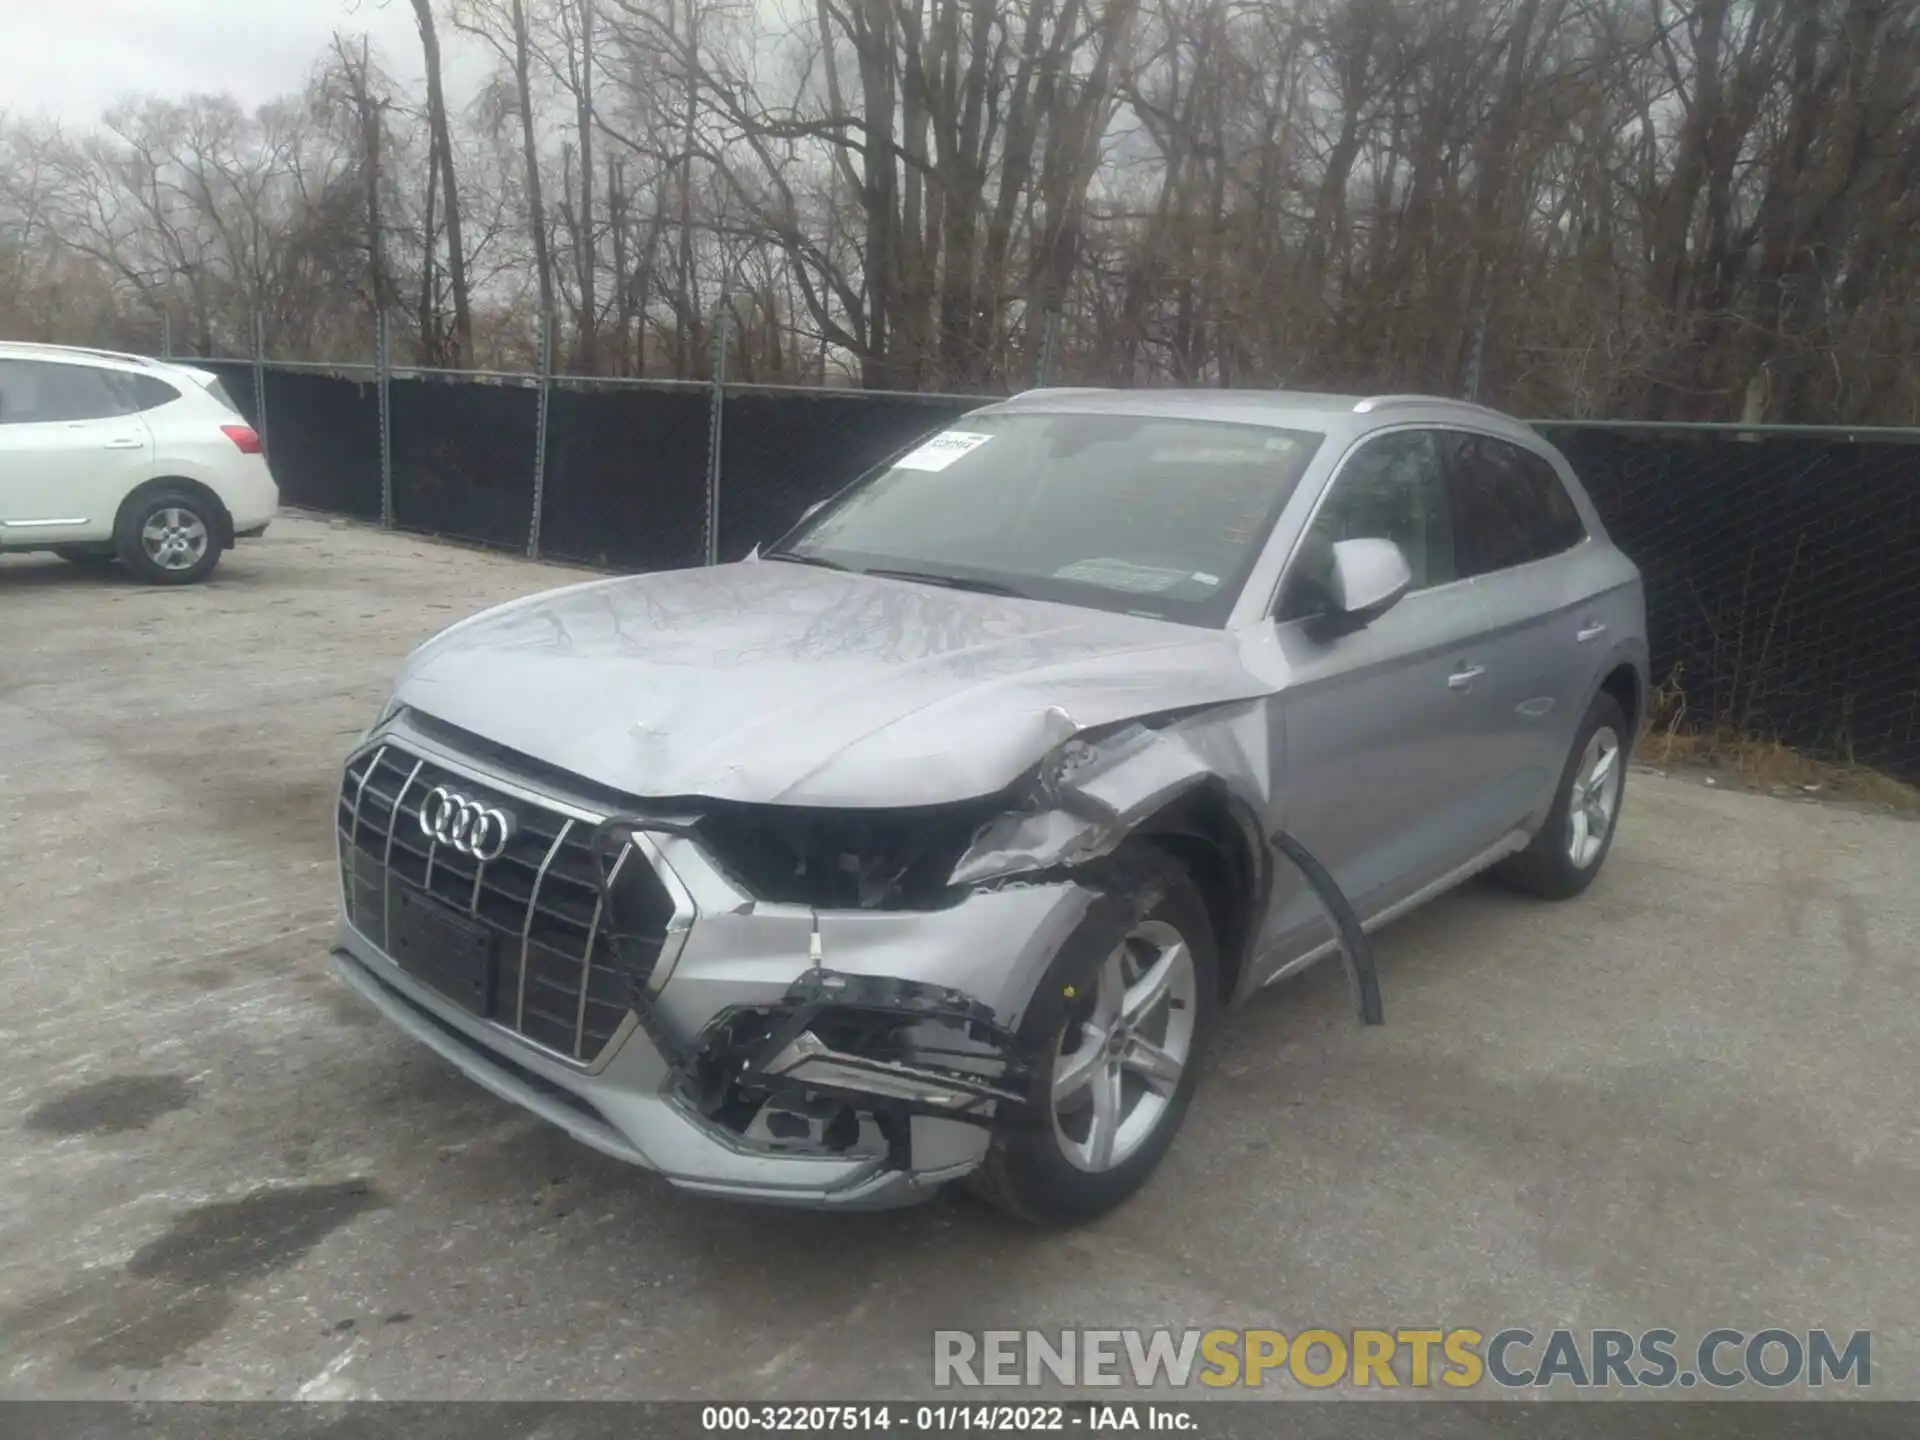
569	999
360	794
433	849
526	926
586	951
386	857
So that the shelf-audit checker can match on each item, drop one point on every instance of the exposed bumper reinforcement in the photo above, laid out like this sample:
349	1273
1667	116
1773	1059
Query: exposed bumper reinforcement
648	1130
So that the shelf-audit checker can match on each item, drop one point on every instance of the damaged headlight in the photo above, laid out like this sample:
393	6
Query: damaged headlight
843	859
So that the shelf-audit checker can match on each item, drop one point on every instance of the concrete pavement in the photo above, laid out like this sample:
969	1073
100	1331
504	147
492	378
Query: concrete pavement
1684	1100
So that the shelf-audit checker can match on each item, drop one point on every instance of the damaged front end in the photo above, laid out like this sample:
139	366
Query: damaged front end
845	1063
854	1061
855	985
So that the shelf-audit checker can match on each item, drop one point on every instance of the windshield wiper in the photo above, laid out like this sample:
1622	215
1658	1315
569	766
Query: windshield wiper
796	559
950	582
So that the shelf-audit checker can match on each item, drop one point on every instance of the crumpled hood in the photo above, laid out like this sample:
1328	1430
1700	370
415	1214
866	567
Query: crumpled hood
779	683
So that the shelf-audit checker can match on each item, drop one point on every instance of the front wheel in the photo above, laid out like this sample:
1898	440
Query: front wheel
1573	844
169	536
1117	1031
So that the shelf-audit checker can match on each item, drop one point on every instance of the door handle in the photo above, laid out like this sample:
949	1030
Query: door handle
1593	630
125	442
1463	678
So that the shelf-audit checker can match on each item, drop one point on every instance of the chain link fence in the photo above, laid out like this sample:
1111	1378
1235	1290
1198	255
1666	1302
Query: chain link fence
1782	565
1783	577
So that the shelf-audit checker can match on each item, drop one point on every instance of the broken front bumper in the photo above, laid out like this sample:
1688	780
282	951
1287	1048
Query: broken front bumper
742	958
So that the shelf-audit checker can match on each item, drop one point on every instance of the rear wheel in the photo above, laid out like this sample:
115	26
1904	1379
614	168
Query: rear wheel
169	536
1573	844
1117	1031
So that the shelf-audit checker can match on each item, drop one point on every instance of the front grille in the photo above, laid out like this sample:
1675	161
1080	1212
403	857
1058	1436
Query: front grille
559	980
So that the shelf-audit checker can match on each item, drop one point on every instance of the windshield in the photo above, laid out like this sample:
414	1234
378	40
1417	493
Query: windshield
1119	512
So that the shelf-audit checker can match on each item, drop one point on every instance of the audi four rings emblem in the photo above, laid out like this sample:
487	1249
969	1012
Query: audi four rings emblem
449	818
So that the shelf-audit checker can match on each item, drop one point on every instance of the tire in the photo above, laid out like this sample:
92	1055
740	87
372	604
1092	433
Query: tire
1548	868
1046	1168
169	535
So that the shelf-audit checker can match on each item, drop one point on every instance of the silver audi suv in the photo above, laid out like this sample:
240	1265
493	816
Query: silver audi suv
933	842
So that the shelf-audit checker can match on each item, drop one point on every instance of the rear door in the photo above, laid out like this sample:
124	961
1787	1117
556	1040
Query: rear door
70	450
1522	540
1385	745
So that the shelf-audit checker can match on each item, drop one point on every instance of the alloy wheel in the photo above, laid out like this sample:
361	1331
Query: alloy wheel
1595	798
1120	1060
174	539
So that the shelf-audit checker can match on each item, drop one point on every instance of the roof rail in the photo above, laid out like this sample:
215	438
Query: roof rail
97	353
1382	402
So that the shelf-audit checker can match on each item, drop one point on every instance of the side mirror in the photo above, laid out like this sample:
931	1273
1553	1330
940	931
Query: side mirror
1366	580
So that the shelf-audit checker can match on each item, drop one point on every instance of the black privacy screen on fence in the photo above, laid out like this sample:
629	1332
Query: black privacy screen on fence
1782	569
626	482
1783	580
781	451
463	455
323	441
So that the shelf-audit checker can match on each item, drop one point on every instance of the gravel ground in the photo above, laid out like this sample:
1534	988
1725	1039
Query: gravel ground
1684	1100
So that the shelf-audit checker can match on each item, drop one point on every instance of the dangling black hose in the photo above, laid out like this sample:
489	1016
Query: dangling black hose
1361	973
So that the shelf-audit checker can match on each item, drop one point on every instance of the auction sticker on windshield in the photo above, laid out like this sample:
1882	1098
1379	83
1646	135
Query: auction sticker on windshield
942	450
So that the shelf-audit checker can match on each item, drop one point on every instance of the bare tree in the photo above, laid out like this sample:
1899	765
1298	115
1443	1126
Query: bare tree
1664	208
441	166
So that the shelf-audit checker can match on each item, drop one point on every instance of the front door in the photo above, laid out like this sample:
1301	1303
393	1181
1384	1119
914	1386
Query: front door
1386	760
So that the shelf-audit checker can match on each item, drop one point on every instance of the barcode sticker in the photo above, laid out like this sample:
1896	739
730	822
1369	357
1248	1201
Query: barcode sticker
942	450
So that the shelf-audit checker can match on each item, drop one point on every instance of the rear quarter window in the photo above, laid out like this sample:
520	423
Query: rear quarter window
142	392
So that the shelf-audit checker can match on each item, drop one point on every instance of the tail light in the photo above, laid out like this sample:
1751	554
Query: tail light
245	436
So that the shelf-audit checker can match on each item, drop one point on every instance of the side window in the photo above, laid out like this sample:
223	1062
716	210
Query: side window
1510	504
79	392
1564	528
33	390
1393	488
19	392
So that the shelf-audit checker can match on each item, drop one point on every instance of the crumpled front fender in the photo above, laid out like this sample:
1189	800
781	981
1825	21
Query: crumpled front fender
1090	794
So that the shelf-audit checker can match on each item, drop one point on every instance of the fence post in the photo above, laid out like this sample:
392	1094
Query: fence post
383	361
259	378
715	405
542	407
166	334
1477	356
1049	339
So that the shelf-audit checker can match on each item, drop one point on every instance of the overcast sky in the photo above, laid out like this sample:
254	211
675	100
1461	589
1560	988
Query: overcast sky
71	59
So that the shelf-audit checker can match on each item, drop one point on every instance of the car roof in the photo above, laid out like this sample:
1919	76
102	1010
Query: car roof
1347	415
35	350
112	359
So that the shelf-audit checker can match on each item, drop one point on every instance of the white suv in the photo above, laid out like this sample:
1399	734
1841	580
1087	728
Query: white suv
107	457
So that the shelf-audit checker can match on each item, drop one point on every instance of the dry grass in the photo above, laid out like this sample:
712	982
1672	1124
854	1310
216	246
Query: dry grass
1673	736
1755	764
